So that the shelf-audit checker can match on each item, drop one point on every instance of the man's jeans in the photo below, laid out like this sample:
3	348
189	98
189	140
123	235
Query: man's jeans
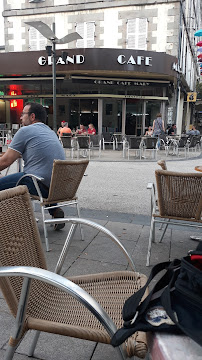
10	181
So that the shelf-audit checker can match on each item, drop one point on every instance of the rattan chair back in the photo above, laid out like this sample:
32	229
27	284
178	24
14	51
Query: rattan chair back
20	243
65	180
179	194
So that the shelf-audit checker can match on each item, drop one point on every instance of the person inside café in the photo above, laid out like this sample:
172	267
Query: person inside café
91	129
65	130
81	130
38	146
149	131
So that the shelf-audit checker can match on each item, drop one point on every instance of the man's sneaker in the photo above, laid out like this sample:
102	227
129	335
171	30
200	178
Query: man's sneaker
59	213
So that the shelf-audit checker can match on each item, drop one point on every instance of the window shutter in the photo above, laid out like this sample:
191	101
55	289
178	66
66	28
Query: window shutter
87	31
80	30
90	33
137	34
36	40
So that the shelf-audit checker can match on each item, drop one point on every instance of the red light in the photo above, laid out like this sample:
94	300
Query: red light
13	93
13	103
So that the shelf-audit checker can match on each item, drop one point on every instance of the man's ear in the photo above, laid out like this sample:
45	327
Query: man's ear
32	117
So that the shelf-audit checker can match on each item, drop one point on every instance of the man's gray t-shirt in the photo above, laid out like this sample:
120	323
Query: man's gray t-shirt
39	146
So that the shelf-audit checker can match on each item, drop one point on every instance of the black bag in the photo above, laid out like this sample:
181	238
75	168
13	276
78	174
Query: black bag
173	305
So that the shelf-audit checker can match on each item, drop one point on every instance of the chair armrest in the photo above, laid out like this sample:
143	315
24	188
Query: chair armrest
34	178
76	221
65	285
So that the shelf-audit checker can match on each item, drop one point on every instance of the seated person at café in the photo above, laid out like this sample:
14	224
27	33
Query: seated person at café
60	128
193	131
172	130
81	130
91	129
34	142
65	130
149	132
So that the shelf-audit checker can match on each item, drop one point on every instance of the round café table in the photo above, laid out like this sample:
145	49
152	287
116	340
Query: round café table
197	168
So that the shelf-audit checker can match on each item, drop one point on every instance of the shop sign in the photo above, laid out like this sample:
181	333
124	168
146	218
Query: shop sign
114	82
75	59
138	60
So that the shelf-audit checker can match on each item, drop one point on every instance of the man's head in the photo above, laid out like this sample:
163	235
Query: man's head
33	113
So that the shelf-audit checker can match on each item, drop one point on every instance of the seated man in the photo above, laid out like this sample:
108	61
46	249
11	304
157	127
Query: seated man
65	130
38	145
172	130
193	131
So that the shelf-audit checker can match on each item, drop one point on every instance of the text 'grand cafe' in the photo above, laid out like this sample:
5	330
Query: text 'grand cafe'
118	90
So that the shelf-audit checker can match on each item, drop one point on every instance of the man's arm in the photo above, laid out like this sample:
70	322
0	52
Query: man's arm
8	158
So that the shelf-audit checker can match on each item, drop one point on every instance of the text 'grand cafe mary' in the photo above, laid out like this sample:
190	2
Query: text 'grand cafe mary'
115	89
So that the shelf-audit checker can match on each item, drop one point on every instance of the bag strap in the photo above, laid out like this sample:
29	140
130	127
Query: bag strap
131	304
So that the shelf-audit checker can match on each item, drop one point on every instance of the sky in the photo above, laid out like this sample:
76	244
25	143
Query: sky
1	24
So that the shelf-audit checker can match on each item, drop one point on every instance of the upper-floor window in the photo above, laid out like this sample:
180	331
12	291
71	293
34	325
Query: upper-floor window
36	40
137	33
87	31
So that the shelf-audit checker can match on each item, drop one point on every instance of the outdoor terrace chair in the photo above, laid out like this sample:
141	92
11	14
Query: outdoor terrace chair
108	139
193	143
182	145
150	144
119	140
67	143
87	307
83	146
96	143
135	145
65	180
179	202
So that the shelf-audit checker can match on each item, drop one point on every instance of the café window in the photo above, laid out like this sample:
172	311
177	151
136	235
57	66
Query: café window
87	31
36	40
137	33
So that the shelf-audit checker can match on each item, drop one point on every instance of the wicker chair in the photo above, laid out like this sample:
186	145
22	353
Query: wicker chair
179	202
65	180
56	304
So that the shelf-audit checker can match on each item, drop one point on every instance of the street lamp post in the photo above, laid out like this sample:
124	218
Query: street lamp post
49	34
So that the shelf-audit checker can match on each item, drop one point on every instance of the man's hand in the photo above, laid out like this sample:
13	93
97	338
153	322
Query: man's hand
8	158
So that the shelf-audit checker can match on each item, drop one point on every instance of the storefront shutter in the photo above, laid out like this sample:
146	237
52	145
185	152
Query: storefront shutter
36	40
137	34
87	31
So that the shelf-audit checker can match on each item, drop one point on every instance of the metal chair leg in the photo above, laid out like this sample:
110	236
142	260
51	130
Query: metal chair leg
34	342
45	229
80	226
164	230
19	321
150	242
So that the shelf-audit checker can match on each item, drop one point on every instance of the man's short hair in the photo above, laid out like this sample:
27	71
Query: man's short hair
38	110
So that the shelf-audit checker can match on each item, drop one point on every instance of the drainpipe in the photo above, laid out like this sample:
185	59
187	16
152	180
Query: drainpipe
178	75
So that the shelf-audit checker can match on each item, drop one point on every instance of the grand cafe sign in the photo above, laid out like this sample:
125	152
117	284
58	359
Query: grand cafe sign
91	60
80	59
